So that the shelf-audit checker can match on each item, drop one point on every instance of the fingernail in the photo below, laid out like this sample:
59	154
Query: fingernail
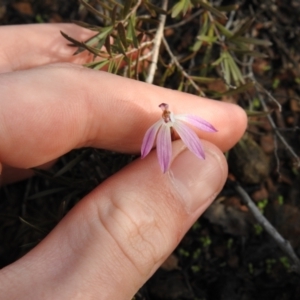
198	181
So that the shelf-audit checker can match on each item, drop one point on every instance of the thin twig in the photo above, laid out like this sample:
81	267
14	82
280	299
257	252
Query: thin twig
276	155
181	23
274	127
120	55
283	244
270	119
157	41
251	76
270	96
230	19
187	20
141	58
284	49
135	62
179	66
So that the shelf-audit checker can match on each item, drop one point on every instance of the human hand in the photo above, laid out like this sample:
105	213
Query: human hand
119	234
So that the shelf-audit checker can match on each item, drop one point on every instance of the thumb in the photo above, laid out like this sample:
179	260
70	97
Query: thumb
117	236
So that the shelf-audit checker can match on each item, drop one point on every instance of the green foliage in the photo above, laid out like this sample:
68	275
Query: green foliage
280	200
262	205
181	7
195	268
124	39
206	241
258	229
285	262
196	253
229	243
269	265
183	252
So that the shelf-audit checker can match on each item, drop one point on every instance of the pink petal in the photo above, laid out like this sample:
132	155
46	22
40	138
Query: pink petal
149	138
190	138
197	122
164	147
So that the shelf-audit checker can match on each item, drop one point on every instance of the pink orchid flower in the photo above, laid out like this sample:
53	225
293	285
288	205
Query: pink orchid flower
162	131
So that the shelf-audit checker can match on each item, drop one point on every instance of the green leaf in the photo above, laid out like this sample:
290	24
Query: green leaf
187	5
86	25
73	41
91	49
105	31
244	28
204	79
218	61
250	40
122	34
227	33
225	67
177	9
203	31
119	62
96	38
207	39
131	32
235	71
248	52
211	9
150	10
119	46
81	45
127	6
111	66
113	14
101	65
97	65
107	45
240	89
94	11
253	113
157	9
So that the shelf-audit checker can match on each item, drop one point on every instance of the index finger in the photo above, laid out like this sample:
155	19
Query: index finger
48	111
28	46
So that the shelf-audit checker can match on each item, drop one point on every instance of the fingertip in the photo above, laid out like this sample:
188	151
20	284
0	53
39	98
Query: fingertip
199	181
230	120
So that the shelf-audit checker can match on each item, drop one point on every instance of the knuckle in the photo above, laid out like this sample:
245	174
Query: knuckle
137	232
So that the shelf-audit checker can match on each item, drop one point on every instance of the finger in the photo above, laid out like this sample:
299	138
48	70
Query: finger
48	111
27	46
116	238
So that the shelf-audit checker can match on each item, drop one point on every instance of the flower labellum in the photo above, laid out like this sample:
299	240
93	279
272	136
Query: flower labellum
162	130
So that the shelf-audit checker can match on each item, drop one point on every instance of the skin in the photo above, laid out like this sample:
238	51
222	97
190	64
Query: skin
118	235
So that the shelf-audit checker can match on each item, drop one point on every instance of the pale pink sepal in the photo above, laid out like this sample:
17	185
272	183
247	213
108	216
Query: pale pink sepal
190	138
197	122
164	148
149	138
